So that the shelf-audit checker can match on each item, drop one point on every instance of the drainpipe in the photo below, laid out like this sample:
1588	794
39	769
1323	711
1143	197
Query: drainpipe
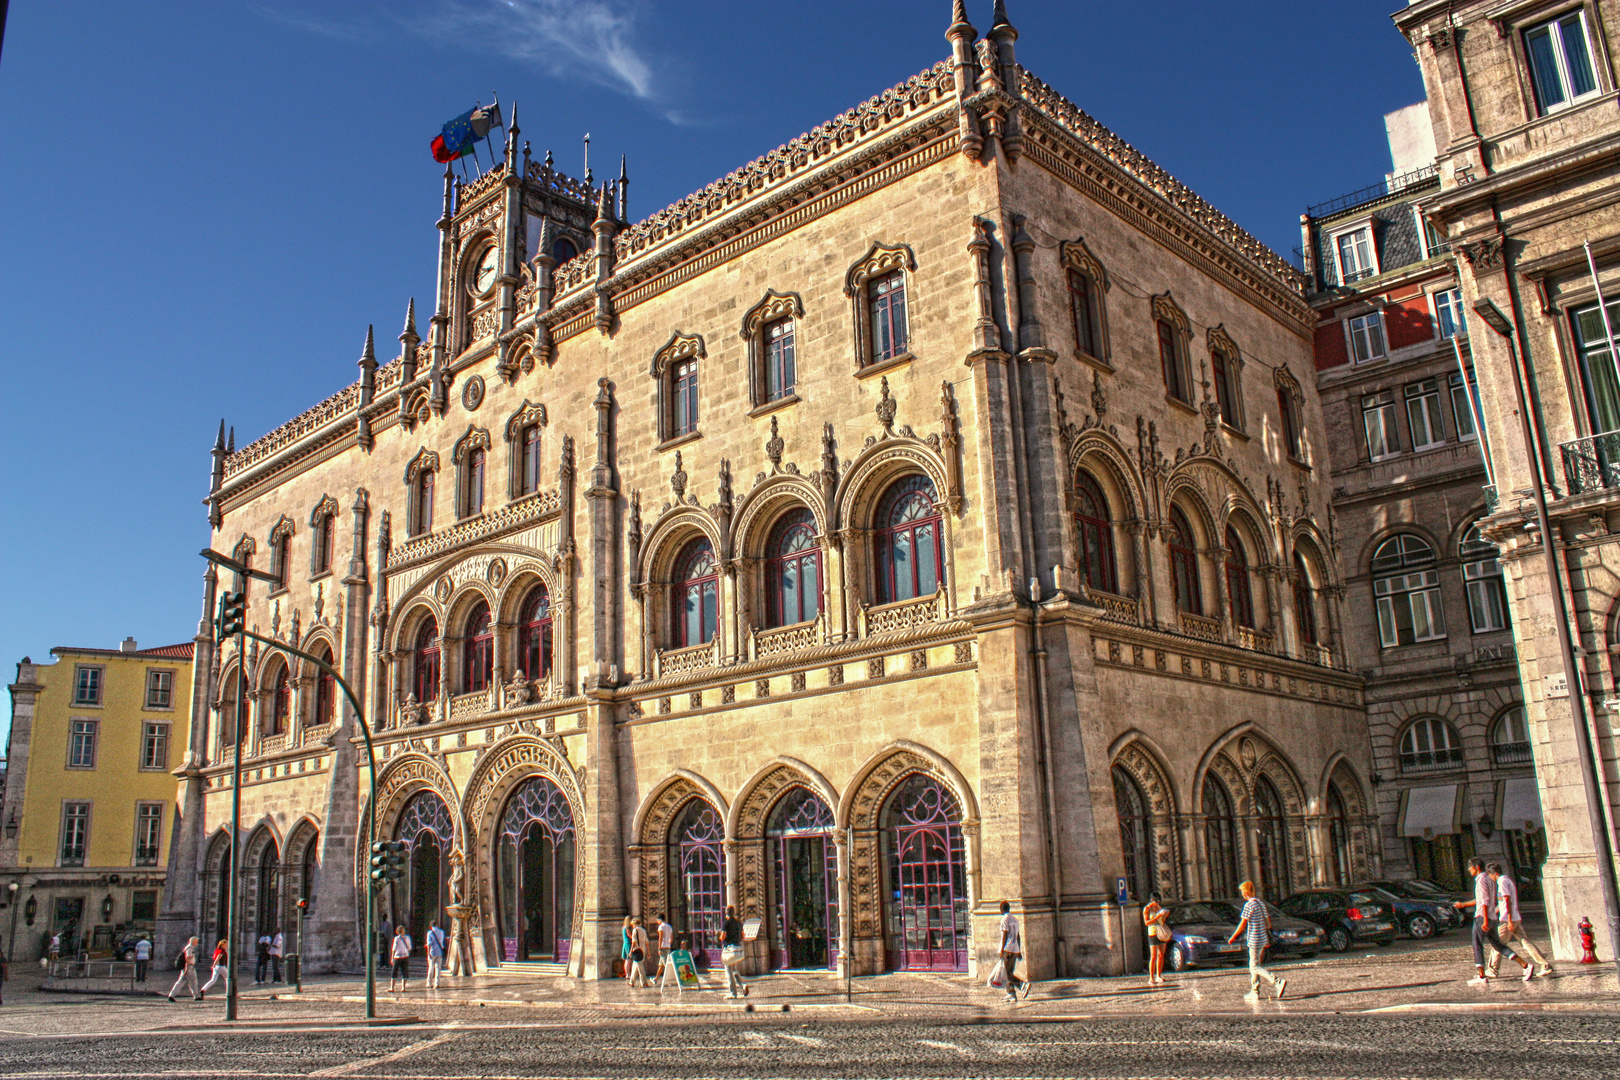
1043	713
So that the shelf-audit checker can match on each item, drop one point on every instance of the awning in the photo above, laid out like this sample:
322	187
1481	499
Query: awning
1518	804
1430	811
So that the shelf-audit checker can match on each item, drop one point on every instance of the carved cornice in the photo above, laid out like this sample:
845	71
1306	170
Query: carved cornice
498	522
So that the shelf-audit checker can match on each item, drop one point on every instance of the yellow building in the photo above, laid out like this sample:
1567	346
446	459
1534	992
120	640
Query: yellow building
89	798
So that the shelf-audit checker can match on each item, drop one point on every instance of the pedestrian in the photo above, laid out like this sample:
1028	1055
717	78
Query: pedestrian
1256	922
1484	905
671	970
222	957
1508	926
731	952
143	956
1012	949
277	943
625	946
1157	920
666	945
640	949
261	958
435	954
55	948
400	953
188	971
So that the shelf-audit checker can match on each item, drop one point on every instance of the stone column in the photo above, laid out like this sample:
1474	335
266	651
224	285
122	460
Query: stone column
601	845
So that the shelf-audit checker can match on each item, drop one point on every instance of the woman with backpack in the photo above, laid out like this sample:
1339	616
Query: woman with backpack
187	963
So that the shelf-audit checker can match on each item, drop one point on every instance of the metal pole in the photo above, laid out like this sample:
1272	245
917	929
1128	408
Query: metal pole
234	889
298	943
845	915
1575	688
371	814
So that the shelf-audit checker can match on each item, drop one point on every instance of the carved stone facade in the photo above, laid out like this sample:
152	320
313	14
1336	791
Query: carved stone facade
851	636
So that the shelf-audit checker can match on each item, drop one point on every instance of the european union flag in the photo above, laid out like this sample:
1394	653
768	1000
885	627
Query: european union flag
456	139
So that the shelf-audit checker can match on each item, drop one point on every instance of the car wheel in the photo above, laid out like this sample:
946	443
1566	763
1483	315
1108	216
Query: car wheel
1177	960
128	956
1420	927
1339	939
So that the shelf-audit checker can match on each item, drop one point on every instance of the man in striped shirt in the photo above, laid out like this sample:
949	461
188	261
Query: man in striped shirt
1255	923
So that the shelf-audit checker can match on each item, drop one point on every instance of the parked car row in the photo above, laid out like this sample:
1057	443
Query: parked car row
1311	920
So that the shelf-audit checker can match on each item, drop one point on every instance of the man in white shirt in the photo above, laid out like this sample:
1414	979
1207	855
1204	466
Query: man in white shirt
1484	905
1509	928
143	955
277	943
1012	948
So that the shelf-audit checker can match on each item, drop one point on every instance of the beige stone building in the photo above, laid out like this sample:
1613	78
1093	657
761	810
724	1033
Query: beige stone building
1522	99
931	512
1425	616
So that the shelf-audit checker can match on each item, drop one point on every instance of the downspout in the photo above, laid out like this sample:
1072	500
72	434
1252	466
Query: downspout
1043	712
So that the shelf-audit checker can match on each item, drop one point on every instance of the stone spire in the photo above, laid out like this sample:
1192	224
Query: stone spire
368	387
512	143
959	22
624	188
408	341
962	35
216	516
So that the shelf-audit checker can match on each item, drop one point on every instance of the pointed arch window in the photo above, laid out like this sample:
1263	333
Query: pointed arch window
425	676
1184	564
1172	329
1289	425
280	702
477	650
472	484
1220	839
325	691
534	634
769	328
793	570
420	477
1272	833
1226	372
281	553
910	547
524	430
1095	528
424	502
1239	598
1338	835
695	599
1304	602
1136	837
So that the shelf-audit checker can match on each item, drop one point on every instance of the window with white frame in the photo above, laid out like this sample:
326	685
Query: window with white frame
148	833
82	744
75	833
1599	385
159	689
1423	414
1378	418
86	685
1366	337
1355	251
1406	588
1462	404
1448	314
1482	578
1430	743
1510	739
1560	56
155	746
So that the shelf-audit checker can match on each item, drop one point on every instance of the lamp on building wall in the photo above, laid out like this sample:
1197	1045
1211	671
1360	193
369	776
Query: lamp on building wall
31	909
11	826
106	908
1486	826
11	894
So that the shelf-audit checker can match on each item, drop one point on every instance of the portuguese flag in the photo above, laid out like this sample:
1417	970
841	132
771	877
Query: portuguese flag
458	137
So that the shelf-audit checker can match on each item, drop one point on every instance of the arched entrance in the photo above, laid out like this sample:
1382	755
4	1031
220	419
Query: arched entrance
697	885
804	881
535	873
426	829
926	916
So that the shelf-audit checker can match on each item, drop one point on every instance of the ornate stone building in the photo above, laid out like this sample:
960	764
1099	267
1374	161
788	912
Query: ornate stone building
931	512
1522	101
1426	617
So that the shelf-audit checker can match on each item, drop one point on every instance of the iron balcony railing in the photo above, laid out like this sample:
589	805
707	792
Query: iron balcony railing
1511	753
1592	463
1425	760
1383	188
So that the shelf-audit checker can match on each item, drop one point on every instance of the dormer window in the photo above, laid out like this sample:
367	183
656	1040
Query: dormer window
1355	251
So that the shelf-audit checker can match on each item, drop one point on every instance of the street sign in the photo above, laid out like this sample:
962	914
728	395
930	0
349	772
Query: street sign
1122	895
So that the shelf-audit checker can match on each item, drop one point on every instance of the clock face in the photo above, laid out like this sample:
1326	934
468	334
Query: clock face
484	276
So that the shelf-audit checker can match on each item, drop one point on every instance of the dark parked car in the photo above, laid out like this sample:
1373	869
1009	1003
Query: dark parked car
1201	928
1348	915
1420	914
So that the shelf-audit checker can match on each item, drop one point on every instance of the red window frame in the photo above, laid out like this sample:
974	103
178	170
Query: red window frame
477	650
801	565
886	310
683	398
1094	528
915	534
534	634
426	673
1239	597
1083	311
1170	362
697	577
1184	564
531	459
280	702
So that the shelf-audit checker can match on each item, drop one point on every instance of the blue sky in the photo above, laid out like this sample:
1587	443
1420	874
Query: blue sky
203	204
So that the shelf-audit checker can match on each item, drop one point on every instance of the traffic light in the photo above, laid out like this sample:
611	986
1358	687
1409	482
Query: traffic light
387	862
232	613
303	907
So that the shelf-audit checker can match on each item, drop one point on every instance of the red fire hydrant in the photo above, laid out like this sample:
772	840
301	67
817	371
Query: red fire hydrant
1588	941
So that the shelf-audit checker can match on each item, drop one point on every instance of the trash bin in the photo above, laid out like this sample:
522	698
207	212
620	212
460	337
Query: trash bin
292	967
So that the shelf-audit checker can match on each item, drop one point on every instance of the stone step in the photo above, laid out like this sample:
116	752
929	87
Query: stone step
532	967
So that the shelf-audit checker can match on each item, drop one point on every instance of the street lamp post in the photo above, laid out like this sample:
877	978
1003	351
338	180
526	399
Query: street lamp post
1601	843
236	788
11	888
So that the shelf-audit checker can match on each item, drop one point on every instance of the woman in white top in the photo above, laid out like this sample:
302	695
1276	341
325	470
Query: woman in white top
1157	921
400	953
640	948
